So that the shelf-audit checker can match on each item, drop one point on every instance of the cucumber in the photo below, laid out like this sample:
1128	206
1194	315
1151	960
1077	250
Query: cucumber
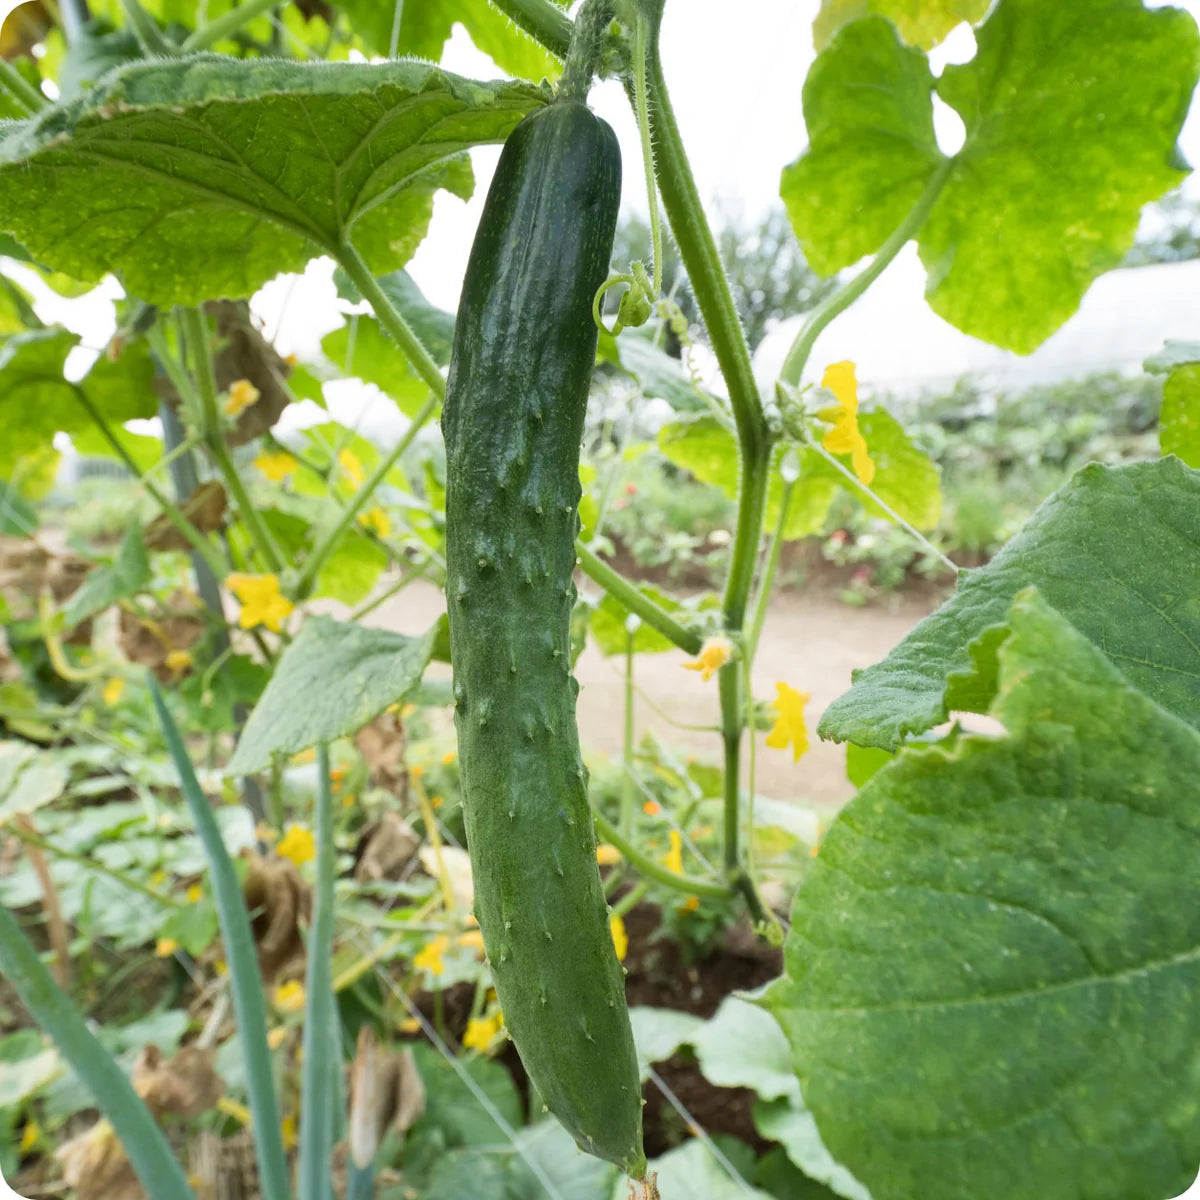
524	346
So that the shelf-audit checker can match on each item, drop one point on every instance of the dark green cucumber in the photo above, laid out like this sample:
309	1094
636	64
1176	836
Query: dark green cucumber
524	346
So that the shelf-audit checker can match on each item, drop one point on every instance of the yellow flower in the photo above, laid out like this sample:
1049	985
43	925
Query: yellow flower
673	859
276	467
448	758
409	1025
277	1036
178	661
297	844
376	521
194	893
113	690
165	947
429	957
845	437
619	936
652	808
158	879
289	997
30	1136
483	1031
262	601
607	855
690	904
352	468
287	1129
241	396
789	723
714	654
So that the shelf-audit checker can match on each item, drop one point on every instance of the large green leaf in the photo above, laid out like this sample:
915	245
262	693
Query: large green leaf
425	28
991	965
345	674
871	145
433	325
207	176
36	402
362	348
1071	113
920	22
1113	550
657	372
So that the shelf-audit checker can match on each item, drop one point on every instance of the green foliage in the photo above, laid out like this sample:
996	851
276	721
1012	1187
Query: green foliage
921	23
1008	258
1179	421
348	673
1039	1002
127	574
282	161
1110	550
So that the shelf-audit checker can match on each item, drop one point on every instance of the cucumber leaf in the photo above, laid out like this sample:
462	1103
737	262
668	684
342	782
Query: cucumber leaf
921	22
207	176
989	964
1113	550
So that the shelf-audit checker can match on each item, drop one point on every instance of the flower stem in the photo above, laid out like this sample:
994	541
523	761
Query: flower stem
544	22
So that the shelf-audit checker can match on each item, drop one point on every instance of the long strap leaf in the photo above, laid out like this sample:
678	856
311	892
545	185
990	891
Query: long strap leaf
246	982
51	1008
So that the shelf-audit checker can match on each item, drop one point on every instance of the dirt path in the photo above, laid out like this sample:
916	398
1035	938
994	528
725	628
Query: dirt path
811	641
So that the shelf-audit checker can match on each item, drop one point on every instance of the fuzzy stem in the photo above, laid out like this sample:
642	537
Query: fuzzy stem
642	107
837	302
221	27
649	869
596	569
20	89
544	22
151	39
584	53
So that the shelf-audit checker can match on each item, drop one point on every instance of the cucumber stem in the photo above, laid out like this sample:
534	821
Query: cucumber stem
544	22
587	40
20	89
649	869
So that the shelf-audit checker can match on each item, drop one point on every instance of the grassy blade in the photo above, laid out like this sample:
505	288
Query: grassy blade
245	979
318	1088
143	1141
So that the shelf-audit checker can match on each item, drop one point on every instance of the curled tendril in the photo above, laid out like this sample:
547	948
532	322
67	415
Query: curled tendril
637	304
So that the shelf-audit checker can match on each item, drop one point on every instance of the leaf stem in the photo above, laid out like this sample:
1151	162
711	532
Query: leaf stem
544	22
617	586
642	108
221	27
20	89
649	869
766	579
837	302
627	739
151	39
246	980
392	319
144	1142
198	542
196	332
321	552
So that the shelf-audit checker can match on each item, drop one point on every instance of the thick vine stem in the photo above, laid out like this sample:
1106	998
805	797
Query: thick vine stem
584	54
226	24
544	22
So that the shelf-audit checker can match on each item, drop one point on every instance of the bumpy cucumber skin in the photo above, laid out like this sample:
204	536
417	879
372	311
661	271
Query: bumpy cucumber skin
524	346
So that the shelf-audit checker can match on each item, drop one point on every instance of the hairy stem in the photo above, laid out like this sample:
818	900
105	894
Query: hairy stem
584	52
649	869
20	89
617	586
544	22
221	27
151	39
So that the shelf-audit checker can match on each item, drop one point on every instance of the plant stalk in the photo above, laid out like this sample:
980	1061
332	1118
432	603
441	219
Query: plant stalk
766	580
584	52
649	869
151	39
20	89
221	27
617	586
544	22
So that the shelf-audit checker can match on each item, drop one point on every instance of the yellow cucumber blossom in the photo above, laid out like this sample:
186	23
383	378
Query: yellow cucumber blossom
789	727
289	997
242	394
845	437
262	601
276	467
483	1031
352	468
619	936
429	957
714	654
376	521
298	845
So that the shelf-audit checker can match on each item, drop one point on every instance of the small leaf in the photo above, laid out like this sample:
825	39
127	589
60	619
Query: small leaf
348	675
207	176
363	348
1113	550
127	574
1179	418
989	962
693	1170
434	326
29	779
792	1125
659	1032
659	374
741	1045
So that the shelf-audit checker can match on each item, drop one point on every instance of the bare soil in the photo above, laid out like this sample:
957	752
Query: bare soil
811	640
